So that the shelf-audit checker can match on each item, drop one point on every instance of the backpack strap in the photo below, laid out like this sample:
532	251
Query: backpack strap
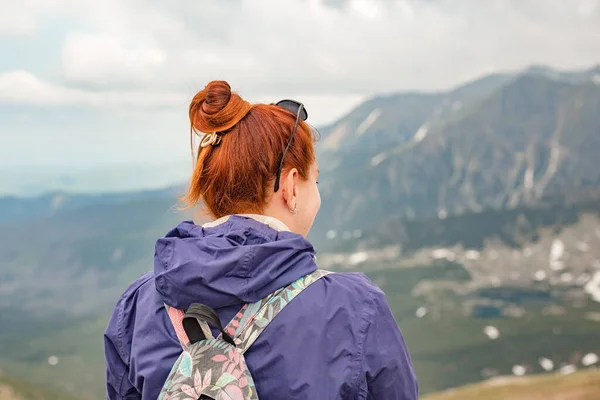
253	318
195	319
176	316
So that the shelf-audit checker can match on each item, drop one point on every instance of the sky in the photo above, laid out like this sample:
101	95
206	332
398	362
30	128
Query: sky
88	82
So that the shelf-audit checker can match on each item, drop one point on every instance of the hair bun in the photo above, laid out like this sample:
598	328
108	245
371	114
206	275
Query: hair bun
216	108
218	94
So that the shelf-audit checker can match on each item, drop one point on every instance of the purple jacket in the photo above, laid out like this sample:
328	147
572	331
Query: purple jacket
336	340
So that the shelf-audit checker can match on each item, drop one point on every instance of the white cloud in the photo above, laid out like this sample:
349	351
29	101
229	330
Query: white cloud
15	22
22	17
102	59
588	7
24	88
127	55
273	46
366	8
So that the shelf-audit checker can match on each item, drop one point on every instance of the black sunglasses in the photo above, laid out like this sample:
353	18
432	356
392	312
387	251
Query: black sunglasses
295	107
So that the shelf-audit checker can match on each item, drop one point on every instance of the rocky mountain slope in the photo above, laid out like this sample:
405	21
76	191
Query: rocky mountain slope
580	386
500	142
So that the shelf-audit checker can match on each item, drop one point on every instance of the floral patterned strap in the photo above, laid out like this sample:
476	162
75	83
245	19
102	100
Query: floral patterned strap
176	317
253	318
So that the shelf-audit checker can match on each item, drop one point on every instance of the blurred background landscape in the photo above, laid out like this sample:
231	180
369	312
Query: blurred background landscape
459	159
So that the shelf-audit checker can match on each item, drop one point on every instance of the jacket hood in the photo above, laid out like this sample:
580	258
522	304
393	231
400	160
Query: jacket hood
240	260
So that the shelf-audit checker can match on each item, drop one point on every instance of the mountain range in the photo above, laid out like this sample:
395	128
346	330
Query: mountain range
499	142
474	209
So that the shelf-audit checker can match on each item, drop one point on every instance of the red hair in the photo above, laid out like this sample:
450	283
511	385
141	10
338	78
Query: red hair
237	175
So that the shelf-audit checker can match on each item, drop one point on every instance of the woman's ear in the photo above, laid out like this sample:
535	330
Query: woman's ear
289	188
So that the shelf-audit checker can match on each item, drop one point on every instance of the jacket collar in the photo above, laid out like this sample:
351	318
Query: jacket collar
272	222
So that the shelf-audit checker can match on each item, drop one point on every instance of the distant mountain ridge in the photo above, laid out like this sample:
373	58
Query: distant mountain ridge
501	141
40	180
14	209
